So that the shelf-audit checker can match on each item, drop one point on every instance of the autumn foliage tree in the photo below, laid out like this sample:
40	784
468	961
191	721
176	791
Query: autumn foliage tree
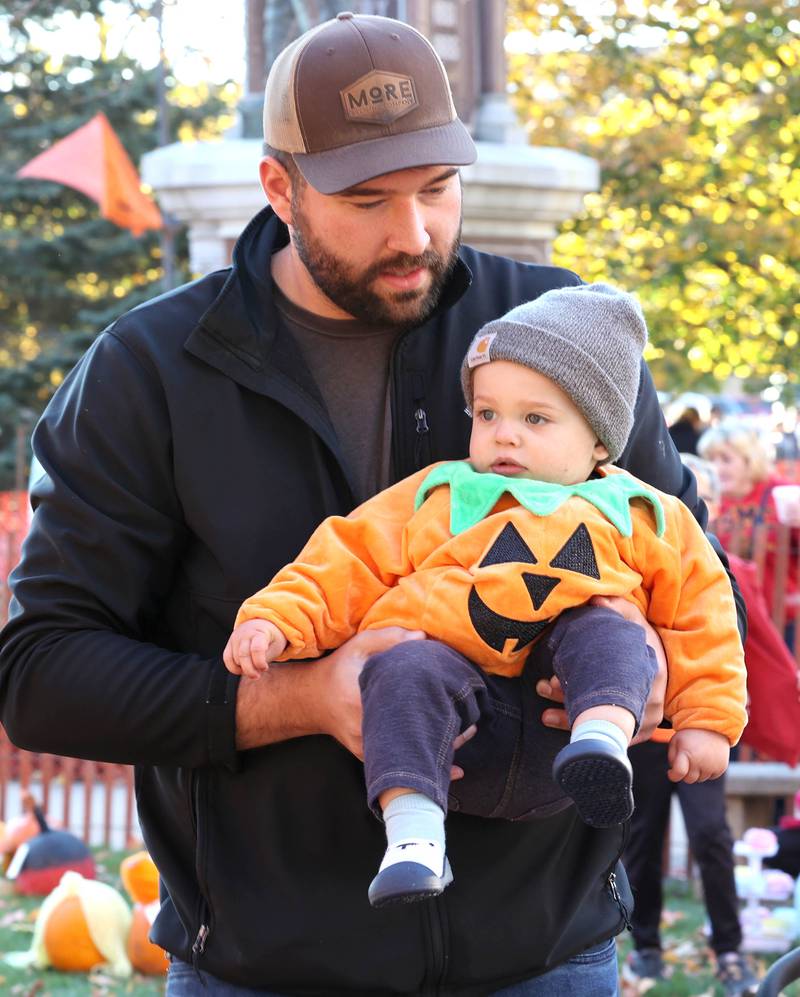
693	111
65	272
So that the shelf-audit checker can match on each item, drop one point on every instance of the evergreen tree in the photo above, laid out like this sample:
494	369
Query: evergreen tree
65	272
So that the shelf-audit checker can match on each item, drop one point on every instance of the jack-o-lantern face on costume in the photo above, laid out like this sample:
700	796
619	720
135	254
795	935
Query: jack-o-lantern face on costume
576	554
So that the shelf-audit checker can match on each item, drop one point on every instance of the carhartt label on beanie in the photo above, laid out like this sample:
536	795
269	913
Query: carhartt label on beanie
588	339
479	351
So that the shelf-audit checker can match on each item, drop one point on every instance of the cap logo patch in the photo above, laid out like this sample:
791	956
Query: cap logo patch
479	351
379	98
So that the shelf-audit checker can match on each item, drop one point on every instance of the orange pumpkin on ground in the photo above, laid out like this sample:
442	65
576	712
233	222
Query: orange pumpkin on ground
81	924
67	939
140	877
145	957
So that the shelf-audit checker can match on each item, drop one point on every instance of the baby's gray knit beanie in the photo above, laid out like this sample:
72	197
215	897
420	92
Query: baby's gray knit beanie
587	338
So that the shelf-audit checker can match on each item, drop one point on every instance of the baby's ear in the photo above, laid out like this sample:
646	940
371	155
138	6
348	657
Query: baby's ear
600	451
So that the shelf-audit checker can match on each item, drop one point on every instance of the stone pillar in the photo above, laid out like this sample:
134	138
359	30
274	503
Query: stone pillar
495	119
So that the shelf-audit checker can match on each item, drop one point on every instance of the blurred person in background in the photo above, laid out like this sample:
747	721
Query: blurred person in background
687	426
744	461
787	446
710	839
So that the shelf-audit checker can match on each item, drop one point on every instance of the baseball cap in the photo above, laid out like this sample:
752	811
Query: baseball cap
361	95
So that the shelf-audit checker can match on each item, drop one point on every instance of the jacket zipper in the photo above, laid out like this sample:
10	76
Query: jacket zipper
611	879
203	907
612	885
404	390
423	431
438	957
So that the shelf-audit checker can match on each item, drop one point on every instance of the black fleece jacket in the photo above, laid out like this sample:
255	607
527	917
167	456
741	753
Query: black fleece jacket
188	457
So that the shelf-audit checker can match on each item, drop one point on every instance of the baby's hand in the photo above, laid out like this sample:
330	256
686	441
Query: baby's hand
696	755
252	646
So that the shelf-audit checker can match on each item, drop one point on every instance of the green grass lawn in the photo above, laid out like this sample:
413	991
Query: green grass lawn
690	962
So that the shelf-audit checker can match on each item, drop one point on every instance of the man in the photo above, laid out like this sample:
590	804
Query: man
189	456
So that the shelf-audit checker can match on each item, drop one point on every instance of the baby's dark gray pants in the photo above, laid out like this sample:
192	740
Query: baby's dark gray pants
419	695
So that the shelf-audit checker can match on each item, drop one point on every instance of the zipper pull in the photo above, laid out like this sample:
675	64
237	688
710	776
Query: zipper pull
199	946
421	419
612	885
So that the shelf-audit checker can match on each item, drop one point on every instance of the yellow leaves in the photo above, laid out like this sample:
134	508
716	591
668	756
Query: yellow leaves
673	170
704	67
664	108
695	316
721	213
28	344
698	136
708	277
624	116
777	270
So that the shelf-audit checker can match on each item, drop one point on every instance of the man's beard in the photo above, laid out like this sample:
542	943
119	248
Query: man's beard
353	291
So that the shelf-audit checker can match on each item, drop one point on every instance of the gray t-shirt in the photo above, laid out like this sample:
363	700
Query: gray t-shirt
349	362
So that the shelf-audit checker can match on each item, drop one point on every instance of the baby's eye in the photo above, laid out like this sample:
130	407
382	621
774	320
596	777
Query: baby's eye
534	419
486	414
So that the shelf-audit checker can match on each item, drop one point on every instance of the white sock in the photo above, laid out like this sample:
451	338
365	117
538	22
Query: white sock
601	730
414	832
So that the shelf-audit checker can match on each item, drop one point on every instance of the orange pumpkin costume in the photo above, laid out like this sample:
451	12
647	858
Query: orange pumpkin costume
487	590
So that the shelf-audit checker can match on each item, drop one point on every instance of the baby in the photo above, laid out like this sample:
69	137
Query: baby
490	555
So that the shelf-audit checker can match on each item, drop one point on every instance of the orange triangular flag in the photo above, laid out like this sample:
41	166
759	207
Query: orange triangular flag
93	160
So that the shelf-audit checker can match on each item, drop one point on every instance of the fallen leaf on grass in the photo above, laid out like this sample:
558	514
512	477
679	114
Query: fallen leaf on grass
686	950
632	987
98	978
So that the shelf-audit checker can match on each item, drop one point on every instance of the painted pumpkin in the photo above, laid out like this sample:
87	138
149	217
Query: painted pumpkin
145	957
23	827
49	855
140	877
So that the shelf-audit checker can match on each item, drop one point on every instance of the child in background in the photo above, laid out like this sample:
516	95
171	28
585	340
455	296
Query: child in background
488	555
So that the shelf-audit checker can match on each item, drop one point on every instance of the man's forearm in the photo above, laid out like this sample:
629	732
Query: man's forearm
296	698
281	704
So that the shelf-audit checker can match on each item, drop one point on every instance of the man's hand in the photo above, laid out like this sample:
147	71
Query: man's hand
340	696
318	697
299	698
343	666
654	709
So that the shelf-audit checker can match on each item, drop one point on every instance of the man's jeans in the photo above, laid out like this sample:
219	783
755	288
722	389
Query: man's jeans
593	973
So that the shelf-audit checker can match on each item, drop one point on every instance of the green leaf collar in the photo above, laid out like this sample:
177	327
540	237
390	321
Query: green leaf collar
474	495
